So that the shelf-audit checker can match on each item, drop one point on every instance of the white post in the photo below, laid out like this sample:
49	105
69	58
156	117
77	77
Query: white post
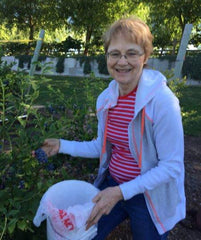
36	52
182	50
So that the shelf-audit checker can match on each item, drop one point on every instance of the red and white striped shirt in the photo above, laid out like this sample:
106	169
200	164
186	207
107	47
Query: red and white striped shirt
123	166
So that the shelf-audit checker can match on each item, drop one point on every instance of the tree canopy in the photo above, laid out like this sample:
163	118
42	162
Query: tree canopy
90	17
168	19
29	15
86	20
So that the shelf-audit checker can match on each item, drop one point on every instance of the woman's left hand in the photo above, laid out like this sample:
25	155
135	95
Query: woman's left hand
104	202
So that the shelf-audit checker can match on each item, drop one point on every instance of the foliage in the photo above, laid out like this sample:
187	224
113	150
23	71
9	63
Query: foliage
189	98
26	59
17	48
196	38
191	110
16	184
100	59
29	16
86	61
71	43
191	67
87	66
23	127
102	64
87	20
11	32
168	18
175	84
60	65
183	11
91	17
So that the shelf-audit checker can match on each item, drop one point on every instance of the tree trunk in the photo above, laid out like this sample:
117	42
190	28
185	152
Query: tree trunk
87	40
174	44
31	34
182	23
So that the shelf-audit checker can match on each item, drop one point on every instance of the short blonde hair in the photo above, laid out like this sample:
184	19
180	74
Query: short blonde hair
134	29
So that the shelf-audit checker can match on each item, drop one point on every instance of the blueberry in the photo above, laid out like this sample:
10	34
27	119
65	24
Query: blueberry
21	184
50	167
6	83
2	185
41	156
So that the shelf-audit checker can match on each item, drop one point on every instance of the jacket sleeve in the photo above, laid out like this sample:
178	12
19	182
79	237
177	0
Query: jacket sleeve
169	146
86	149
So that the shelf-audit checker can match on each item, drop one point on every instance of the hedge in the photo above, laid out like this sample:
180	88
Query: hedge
192	67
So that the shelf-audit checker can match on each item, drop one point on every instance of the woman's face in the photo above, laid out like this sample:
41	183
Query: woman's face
125	61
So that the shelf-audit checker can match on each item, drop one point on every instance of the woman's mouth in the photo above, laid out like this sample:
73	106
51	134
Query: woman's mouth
123	70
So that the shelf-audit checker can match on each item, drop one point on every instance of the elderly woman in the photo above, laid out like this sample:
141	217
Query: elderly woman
139	143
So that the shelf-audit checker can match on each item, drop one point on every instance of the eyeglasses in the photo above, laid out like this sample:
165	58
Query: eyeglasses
130	55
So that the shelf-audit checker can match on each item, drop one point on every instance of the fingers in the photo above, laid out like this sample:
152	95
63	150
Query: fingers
50	147
33	154
96	214
105	201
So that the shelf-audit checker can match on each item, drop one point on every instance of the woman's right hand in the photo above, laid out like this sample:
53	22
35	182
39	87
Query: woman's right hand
50	147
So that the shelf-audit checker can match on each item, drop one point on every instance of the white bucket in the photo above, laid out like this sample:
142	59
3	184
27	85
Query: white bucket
69	195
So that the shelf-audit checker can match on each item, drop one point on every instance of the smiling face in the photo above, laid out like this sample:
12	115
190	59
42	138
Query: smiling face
126	71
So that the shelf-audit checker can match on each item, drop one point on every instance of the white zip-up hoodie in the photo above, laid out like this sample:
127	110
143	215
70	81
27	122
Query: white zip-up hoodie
156	141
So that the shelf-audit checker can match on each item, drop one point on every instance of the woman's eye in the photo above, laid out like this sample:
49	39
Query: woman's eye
131	54
114	54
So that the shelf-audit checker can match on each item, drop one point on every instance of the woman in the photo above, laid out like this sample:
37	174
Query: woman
139	143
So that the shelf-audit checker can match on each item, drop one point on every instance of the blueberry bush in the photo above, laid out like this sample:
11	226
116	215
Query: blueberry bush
23	127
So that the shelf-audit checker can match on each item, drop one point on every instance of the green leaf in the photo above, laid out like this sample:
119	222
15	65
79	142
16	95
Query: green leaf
22	122
12	225
22	225
13	213
3	210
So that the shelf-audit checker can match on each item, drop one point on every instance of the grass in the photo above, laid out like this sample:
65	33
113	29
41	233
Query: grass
77	89
190	102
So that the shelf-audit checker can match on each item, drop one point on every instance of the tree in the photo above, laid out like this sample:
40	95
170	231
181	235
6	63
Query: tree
29	15
196	38
71	43
90	17
185	11
170	17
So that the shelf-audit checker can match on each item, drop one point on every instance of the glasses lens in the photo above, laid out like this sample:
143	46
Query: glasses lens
130	55
115	55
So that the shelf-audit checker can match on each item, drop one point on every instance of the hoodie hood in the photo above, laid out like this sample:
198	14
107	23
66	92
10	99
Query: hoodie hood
150	83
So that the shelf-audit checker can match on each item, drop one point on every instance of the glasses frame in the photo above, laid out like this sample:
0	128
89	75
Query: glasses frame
137	56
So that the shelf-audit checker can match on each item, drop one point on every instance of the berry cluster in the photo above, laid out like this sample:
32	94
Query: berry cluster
41	155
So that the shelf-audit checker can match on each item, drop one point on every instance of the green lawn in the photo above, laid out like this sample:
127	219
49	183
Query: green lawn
191	110
78	90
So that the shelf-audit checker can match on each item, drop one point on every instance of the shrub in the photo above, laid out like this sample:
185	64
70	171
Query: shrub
18	48
102	64
23	180
87	66
60	65
191	67
24	59
175	84
86	61
40	59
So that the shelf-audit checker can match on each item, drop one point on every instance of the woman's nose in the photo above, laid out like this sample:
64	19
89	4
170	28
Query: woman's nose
123	59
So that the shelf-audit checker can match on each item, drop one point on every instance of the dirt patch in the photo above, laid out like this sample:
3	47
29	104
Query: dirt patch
189	228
